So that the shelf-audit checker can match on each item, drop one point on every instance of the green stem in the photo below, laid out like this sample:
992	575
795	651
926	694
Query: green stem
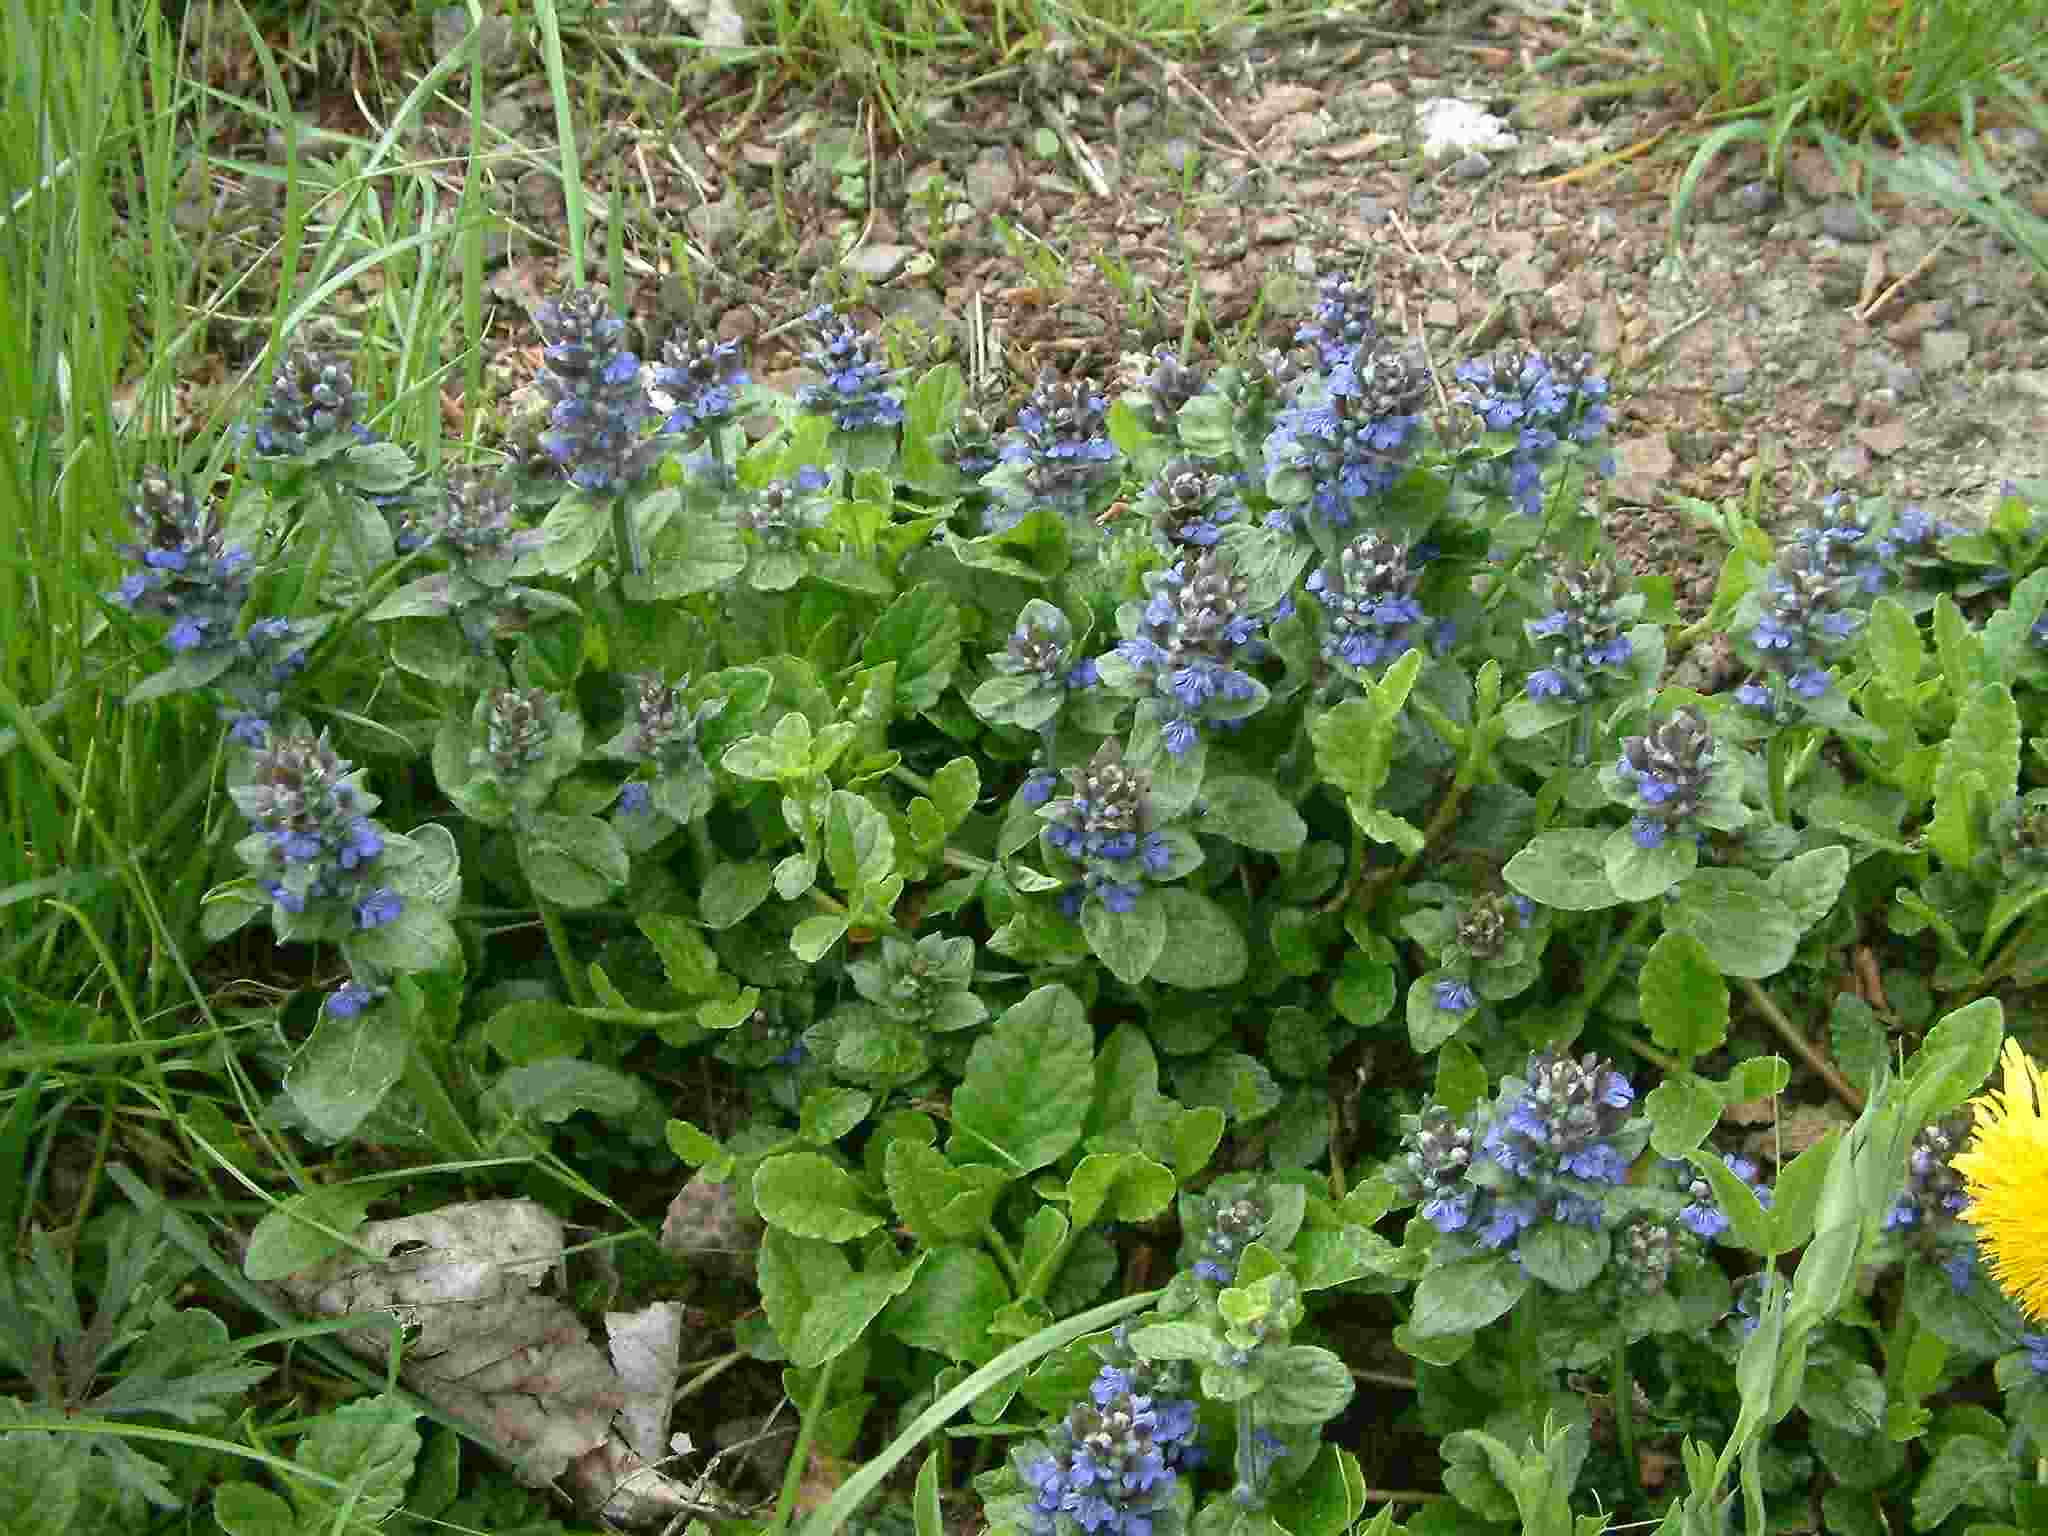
1008	1259
968	861
793	1477
1624	1388
1779	753
1595	985
1801	1047
916	781
565	962
444	1121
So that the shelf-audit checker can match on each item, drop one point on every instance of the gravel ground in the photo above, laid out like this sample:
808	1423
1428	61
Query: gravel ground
1076	203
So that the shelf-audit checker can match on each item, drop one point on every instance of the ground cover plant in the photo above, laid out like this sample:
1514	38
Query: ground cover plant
1166	957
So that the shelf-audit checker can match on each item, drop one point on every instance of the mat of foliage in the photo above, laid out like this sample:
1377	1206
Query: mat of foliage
1172	961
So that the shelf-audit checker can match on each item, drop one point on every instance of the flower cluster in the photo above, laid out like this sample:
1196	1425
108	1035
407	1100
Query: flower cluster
1226	1227
312	400
775	520
1110	1465
1585	635
1170	385
1934	1195
697	383
1189	507
1667	776
928	981
272	653
1703	1214
2019	836
598	411
1803	615
518	725
1539	1154
1057	453
186	572
352	999
1648	1251
1186	646
856	388
1368	596
1545	402
1356	443
970	445
1105	829
662	730
313	839
1342	325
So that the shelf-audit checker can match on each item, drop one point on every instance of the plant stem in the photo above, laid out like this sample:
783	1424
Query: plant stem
565	962
1596	984
1624	1388
444	1122
800	1454
1008	1259
1802	1047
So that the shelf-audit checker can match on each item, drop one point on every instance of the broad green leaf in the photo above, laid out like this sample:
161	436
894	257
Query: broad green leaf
1893	640
860	848
1636	873
812	937
343	1072
1121	1185
1029	1080
1748	1224
1563	1256
1305	1385
793	1273
1744	928
835	1320
1565	869
921	633
950	1306
1251	813
1683	1111
1465	1296
1127	943
1954	1060
732	891
1684	1000
287	1241
369	1447
534	1029
1809	884
687	959
1205	947
1978	770
1968	1472
552	1090
808	1194
573	861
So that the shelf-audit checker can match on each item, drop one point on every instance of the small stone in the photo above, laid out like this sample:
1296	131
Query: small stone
1640	464
1902	381
539	195
1885	440
1472	167
878	263
1178	152
1372	213
498	42
1927	315
1757	197
1844	221
991	182
1850	461
1734	384
1603	225
1274	228
507	114
1943	350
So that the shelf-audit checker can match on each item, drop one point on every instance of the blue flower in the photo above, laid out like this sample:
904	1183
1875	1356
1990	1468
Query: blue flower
1119	898
1157	853
1546	684
1508	1220
1810	683
1753	695
364	843
1038	788
855	391
381	906
349	1000
1648	834
1448	1213
636	799
1455	996
1179	736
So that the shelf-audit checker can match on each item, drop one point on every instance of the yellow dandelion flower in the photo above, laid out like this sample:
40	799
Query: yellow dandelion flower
2006	1171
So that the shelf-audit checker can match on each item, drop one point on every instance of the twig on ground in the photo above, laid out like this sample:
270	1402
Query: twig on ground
1912	274
1802	1047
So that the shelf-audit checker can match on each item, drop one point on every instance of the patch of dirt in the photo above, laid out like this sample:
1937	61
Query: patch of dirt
1079	202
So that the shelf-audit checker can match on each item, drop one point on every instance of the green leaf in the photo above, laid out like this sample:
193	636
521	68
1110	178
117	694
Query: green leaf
1252	814
1122	1185
1428	1025
1465	1296
692	553
1364	989
571	530
535	1029
1304	1385
1893	640
1565	869
1174	1341
369	1447
951	1306
1684	999
1954	1060
860	848
1796	1194
287	1241
1028	1084
1564	1257
829	1113
955	788
835	1320
573	861
686	957
1128	943
1744	928
1635	873
1968	1471
1809	884
1856	1038
793	1273
343	1072
1978	770
812	937
920	632
808	1194
551	1091
1204	945
732	891
242	1509
1683	1112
